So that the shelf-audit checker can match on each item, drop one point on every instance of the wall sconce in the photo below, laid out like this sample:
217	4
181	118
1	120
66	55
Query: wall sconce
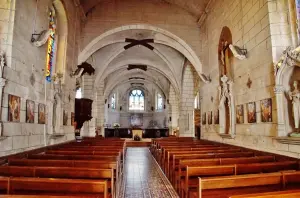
152	108
120	108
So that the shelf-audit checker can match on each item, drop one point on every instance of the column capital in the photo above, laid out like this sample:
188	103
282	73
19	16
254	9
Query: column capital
2	82
278	89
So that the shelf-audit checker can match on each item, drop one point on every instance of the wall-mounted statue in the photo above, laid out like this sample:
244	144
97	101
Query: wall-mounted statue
295	98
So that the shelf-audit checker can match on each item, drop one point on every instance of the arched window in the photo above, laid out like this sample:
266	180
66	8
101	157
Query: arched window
113	101
57	41
196	102
78	93
159	102
51	45
136	100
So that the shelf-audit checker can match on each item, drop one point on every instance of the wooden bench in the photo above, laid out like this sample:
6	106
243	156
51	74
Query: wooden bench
180	173
174	166
226	186
51	186
192	173
60	172
278	194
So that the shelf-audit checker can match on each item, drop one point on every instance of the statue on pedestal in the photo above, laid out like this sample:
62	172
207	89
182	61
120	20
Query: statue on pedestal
295	98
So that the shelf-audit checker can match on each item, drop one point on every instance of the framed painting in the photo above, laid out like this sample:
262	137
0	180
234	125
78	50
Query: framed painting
42	114
204	119
14	108
209	117
266	110
251	112
73	118
216	117
65	118
240	114
30	111
136	120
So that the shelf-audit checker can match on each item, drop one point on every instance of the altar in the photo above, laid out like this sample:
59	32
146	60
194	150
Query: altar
138	132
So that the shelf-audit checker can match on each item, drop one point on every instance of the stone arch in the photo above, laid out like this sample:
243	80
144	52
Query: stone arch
169	39
62	36
286	71
103	73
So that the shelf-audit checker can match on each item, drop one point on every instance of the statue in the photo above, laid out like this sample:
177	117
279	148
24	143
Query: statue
56	113
295	97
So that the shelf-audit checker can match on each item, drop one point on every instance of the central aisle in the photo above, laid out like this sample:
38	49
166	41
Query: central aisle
143	177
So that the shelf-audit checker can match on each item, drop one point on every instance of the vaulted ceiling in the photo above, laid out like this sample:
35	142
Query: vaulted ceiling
194	7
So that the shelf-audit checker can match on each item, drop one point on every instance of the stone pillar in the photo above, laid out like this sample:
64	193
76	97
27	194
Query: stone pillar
186	116
2	84
100	110
173	110
280	97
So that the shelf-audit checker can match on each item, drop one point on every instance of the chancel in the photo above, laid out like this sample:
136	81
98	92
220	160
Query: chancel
149	98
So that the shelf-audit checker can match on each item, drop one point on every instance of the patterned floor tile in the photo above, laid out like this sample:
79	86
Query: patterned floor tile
143	177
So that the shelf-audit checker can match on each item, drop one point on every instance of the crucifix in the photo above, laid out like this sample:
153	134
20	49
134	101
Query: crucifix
225	56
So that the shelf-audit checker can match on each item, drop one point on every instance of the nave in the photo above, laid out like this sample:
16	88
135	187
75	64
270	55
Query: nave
171	167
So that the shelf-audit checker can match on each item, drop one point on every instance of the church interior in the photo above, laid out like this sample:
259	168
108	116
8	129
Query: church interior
150	98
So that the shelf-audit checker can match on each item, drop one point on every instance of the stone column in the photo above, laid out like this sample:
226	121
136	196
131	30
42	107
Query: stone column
186	121
2	84
280	97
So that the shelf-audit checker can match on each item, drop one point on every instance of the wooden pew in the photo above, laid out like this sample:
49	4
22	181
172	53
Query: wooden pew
68	163
175	164
50	186
226	186
192	173
180	173
60	172
170	156
278	194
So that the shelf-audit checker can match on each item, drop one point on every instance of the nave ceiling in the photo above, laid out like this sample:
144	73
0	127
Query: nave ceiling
194	7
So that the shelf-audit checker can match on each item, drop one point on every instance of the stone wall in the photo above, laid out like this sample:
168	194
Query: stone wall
256	26
25	73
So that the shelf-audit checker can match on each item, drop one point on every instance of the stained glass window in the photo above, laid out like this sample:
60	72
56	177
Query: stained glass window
298	16
136	100
159	102
51	45
78	93
113	101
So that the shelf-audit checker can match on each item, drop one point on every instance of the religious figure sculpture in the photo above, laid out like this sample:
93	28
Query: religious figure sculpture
226	107
295	98
56	113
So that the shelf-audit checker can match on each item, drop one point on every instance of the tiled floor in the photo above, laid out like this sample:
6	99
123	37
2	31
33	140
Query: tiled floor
143	177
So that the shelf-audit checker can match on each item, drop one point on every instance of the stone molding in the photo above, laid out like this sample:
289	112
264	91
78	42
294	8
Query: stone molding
290	58
288	140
